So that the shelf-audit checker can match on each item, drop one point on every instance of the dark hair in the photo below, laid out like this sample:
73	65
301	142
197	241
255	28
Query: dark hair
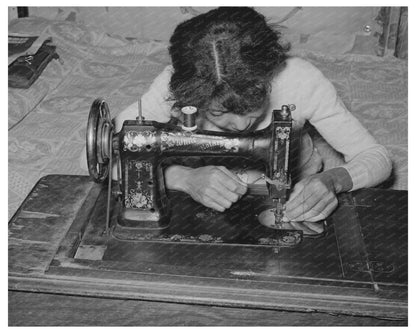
229	55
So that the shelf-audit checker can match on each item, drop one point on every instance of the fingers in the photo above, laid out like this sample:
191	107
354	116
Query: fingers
214	205
315	215
221	197
215	187
293	198
311	200
303	227
301	205
232	182
316	227
319	211
307	228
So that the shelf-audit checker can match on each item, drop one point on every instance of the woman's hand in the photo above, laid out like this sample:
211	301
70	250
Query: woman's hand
215	187
314	197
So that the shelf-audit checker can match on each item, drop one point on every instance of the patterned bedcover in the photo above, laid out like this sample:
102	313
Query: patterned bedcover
47	122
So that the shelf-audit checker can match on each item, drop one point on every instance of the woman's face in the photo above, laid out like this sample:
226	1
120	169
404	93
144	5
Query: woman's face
217	120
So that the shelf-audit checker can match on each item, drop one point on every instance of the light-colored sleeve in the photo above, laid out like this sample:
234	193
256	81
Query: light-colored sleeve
155	105
367	162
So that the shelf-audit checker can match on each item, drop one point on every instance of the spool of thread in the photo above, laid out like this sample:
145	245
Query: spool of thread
189	118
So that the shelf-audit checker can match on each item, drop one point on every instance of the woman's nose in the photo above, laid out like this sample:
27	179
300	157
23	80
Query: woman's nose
240	123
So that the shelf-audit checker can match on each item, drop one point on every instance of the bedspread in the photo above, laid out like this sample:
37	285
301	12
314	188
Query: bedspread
47	122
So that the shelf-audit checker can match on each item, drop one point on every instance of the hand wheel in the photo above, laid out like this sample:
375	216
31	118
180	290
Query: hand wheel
99	140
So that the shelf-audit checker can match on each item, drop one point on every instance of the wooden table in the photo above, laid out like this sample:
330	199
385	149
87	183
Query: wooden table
64	271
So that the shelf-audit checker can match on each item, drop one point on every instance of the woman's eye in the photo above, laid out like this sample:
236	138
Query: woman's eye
216	113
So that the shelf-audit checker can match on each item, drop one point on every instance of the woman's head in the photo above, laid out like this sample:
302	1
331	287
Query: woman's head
224	61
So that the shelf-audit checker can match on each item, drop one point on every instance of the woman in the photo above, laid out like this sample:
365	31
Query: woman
229	64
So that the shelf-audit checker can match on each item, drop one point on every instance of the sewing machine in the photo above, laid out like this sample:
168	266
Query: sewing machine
139	149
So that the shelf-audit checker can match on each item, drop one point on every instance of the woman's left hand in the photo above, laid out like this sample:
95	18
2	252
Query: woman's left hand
312	199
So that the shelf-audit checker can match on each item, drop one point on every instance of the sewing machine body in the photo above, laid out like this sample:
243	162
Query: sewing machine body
141	147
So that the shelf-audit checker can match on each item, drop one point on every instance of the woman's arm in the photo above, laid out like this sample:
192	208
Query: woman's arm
367	162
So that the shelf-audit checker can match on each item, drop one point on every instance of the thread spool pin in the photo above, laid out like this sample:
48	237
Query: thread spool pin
140	117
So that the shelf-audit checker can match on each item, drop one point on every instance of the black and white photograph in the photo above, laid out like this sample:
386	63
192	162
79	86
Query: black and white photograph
208	166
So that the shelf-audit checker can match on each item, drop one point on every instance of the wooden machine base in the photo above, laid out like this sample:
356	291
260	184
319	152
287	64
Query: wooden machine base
58	245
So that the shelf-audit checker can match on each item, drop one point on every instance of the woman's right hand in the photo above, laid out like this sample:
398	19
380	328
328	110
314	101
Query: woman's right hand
215	187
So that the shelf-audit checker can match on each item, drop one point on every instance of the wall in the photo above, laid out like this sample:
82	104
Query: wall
12	13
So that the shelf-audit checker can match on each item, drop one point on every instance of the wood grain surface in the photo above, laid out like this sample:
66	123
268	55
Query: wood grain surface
38	309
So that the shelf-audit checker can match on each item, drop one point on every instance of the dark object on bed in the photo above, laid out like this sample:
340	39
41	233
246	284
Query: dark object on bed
402	36
27	68
19	44
22	12
393	40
